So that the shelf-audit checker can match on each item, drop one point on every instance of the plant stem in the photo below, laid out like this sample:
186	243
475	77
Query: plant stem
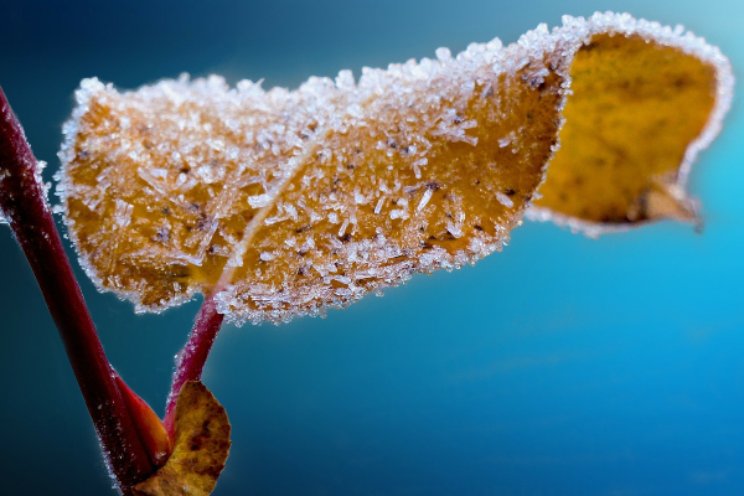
23	202
190	360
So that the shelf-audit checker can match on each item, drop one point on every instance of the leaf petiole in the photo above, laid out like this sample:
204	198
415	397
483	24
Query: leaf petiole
191	359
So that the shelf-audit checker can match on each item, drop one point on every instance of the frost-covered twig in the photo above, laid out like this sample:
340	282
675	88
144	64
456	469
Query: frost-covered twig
23	205
190	361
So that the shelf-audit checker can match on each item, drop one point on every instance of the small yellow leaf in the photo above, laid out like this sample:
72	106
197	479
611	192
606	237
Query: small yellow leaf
201	446
284	203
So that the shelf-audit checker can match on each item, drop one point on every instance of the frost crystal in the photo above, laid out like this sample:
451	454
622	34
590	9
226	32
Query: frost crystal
290	202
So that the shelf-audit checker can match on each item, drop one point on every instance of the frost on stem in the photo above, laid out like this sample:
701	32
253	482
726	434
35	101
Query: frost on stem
23	202
288	202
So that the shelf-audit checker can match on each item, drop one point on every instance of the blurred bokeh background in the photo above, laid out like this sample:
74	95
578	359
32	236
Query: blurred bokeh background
563	365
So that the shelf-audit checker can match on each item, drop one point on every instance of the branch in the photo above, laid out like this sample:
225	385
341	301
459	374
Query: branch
190	360
23	203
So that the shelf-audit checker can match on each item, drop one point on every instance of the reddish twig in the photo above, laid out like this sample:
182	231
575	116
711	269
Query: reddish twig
190	361
23	202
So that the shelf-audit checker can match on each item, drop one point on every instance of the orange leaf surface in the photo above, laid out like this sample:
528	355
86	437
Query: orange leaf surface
634	121
288	202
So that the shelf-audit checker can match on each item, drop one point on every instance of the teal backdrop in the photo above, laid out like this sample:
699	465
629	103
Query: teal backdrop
563	365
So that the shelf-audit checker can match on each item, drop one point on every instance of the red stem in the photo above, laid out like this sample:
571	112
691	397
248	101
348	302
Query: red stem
190	361
23	202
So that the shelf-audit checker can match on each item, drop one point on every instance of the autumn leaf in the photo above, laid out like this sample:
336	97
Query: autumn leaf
201	446
638	114
288	202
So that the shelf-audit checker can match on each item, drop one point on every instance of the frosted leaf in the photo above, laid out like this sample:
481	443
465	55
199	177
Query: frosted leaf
289	202
638	116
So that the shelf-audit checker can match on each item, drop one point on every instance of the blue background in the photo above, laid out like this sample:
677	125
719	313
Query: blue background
562	366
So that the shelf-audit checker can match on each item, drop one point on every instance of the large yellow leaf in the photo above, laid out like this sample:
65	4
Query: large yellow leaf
636	116
287	202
